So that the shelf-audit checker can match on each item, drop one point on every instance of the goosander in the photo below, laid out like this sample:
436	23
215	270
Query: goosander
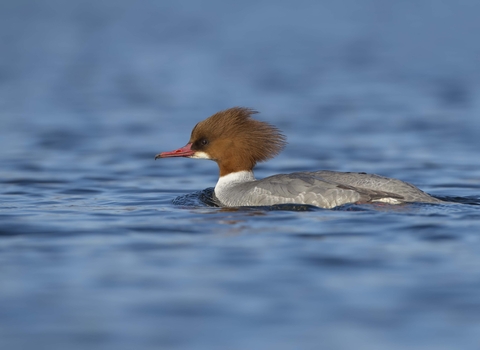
237	143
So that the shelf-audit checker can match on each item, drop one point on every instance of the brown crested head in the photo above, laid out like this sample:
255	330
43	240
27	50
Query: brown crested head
236	141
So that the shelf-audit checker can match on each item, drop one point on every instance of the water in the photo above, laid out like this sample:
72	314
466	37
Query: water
105	248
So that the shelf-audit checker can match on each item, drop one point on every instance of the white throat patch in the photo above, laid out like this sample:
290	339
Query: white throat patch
200	155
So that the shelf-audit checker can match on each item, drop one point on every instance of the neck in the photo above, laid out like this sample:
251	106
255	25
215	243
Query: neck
234	164
228	181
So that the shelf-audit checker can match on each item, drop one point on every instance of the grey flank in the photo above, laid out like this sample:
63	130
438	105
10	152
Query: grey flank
326	189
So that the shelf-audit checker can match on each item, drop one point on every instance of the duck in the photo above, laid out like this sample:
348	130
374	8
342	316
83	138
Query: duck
237	142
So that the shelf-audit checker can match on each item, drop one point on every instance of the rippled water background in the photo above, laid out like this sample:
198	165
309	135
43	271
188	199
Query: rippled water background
93	252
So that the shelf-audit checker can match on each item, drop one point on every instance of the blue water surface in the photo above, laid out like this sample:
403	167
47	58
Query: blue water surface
101	247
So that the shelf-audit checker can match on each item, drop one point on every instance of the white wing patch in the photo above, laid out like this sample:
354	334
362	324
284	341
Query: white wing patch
388	200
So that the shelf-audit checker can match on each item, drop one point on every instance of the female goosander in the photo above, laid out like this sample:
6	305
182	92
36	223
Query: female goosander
237	142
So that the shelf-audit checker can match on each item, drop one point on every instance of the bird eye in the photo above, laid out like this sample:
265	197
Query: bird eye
203	142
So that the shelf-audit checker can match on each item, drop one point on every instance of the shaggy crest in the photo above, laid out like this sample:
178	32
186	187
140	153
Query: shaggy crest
242	140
